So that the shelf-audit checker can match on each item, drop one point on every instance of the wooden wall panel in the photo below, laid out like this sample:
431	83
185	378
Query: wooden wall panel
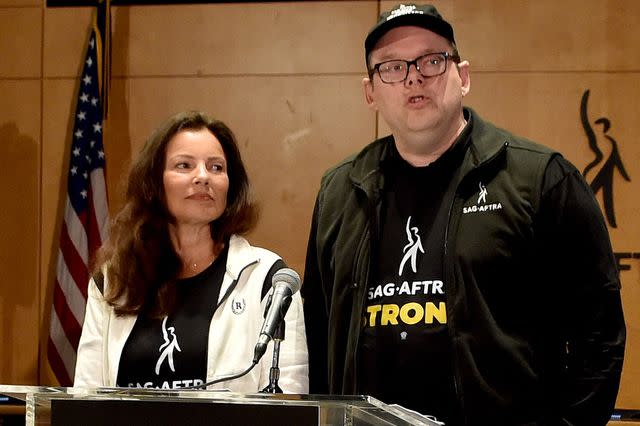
20	3
19	230
63	51
241	39
20	44
548	35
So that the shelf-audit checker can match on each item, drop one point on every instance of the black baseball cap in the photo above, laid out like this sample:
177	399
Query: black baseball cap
425	16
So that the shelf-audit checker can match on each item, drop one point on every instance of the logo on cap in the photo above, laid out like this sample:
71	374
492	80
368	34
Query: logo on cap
404	10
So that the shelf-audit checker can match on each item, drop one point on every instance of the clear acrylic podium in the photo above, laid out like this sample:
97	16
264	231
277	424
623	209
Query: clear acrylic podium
109	406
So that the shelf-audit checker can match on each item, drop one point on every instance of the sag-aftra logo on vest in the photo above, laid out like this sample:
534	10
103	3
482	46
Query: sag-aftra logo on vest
481	205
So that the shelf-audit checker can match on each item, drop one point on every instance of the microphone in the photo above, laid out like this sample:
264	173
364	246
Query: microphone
286	282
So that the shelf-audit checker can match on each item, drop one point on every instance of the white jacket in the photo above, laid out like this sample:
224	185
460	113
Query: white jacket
233	333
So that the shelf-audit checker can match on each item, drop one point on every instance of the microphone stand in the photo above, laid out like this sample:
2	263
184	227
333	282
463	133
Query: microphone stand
274	372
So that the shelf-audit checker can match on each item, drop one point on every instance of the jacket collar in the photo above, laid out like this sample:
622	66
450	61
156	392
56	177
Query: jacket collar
365	167
486	142
241	255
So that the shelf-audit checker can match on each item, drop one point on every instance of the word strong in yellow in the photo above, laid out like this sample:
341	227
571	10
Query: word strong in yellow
409	313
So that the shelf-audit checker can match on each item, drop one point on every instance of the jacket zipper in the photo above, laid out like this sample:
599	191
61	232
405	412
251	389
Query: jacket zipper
359	287
450	275
233	285
360	277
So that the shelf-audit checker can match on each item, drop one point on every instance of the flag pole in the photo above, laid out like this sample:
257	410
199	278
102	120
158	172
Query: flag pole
104	30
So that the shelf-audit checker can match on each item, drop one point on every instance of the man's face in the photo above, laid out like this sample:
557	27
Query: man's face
417	105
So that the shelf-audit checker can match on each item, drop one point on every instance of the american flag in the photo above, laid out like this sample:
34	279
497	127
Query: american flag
85	219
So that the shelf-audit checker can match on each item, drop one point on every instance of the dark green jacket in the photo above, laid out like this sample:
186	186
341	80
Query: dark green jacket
533	302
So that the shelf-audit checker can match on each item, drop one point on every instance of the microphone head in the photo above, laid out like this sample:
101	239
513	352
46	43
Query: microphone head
289	277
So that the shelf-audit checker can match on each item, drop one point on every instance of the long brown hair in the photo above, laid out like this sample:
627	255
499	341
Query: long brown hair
142	265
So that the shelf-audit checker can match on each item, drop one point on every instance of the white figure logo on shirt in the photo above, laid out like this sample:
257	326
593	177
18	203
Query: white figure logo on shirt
167	347
411	250
483	193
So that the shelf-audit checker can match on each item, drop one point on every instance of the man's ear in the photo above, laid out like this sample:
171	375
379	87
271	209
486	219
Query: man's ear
369	98
465	77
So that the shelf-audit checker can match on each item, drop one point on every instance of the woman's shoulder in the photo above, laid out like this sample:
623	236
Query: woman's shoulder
99	278
242	254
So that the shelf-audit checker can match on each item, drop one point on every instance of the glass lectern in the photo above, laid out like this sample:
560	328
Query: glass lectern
110	406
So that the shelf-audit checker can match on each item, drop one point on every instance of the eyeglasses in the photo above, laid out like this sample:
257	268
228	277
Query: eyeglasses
429	65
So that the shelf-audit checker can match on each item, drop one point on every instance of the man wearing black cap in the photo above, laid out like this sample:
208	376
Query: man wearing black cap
452	267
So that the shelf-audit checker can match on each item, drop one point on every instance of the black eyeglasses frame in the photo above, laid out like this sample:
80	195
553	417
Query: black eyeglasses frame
447	57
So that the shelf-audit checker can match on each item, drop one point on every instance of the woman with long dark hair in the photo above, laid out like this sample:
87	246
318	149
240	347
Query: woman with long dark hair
178	296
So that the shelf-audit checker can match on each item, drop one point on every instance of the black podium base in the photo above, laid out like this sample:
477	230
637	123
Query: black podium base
72	412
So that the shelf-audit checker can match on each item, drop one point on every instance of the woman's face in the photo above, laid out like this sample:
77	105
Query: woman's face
195	177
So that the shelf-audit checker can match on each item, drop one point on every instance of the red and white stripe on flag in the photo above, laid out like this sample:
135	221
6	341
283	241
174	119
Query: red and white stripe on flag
85	223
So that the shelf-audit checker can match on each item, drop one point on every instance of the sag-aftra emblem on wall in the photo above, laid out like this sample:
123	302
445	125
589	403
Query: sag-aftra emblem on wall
600	171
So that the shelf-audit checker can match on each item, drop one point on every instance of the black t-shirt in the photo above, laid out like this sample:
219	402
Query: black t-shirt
171	352
405	347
